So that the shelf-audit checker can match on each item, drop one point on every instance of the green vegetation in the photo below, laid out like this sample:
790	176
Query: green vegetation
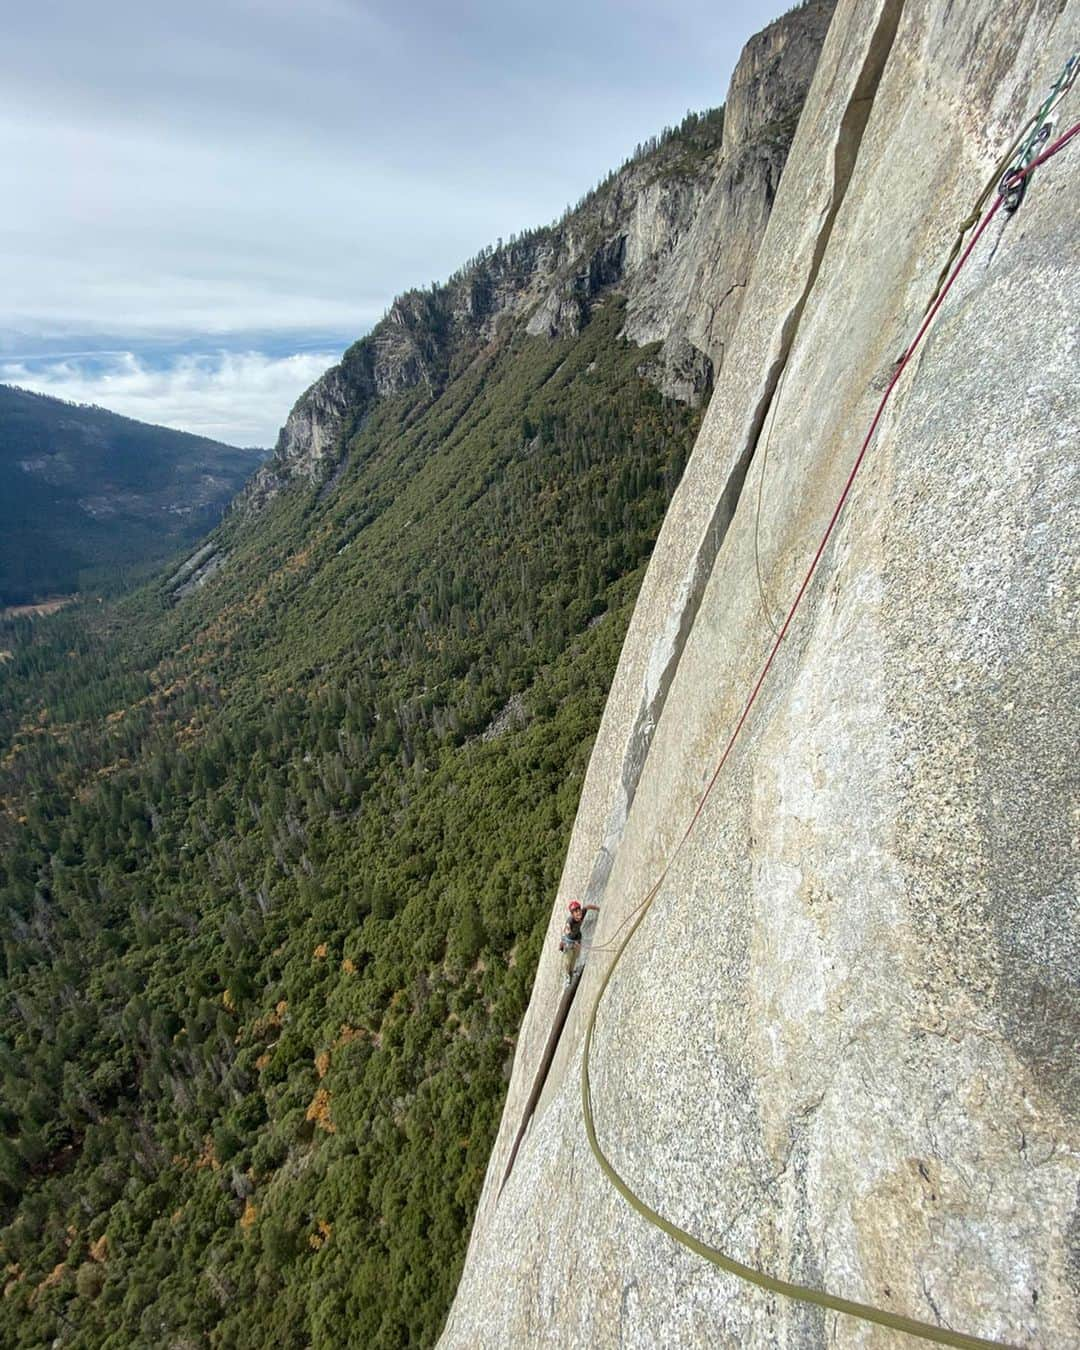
274	889
85	493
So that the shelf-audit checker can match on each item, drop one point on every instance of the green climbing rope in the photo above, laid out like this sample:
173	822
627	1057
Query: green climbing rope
787	1288
802	1293
1018	155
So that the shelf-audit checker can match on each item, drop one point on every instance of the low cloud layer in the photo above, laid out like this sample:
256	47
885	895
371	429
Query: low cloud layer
238	397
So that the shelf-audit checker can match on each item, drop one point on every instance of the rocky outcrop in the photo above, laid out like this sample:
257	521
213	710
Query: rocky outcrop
840	1048
688	296
193	574
674	231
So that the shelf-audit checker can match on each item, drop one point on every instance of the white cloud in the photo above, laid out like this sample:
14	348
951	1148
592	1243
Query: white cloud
225	168
238	397
240	164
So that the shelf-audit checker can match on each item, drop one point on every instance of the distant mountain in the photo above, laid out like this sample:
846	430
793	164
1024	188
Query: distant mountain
84	491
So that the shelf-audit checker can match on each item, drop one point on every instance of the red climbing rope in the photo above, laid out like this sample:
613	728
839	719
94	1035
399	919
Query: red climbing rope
1019	175
787	1288
999	201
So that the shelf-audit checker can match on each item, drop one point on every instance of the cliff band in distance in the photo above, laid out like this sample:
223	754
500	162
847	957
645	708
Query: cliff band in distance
842	1046
647	233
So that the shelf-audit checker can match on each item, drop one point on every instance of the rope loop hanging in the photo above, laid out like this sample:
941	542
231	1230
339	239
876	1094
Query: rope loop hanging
1033	154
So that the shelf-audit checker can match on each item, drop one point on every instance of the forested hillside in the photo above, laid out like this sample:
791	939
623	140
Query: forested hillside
280	831
85	492
278	856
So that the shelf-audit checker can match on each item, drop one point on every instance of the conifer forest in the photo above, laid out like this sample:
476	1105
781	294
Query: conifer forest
278	856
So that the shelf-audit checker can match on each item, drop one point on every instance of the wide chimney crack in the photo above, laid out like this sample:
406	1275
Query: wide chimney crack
668	648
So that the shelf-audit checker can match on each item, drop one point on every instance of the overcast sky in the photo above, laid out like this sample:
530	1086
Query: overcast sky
204	202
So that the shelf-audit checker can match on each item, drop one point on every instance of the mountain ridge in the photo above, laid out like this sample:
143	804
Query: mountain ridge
633	235
86	490
280	828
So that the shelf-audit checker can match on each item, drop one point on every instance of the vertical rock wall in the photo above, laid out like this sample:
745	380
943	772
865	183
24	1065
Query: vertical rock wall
689	294
842	1045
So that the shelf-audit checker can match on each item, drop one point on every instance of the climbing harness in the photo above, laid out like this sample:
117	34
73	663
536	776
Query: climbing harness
1030	159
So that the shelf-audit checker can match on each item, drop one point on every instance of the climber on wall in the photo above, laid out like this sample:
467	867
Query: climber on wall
570	942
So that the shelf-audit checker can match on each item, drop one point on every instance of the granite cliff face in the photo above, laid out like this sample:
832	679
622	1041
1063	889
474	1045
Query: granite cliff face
650	232
688	296
842	1046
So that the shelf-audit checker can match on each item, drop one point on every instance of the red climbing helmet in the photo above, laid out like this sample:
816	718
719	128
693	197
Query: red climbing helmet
574	904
